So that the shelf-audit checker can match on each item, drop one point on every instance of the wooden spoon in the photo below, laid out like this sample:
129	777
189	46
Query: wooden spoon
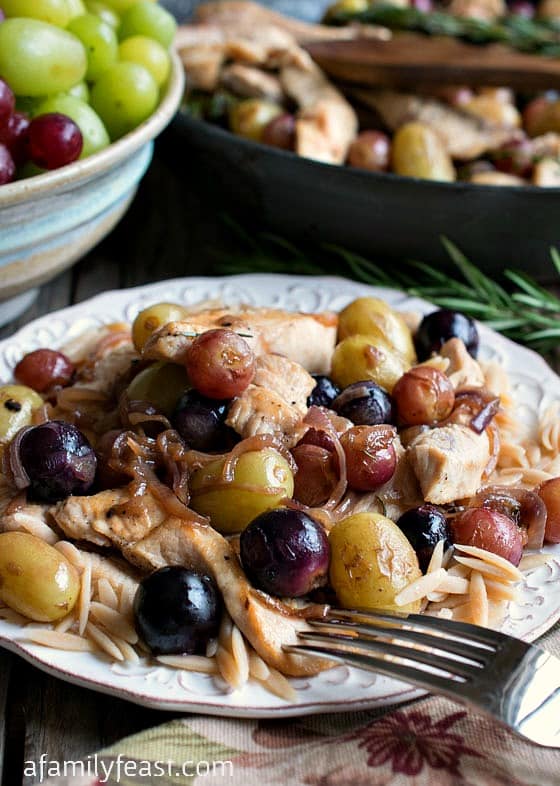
409	60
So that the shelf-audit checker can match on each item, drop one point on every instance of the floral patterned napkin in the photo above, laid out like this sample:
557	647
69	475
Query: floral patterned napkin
428	742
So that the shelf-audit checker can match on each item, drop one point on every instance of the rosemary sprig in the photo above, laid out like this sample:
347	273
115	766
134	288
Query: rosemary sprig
539	37
521	309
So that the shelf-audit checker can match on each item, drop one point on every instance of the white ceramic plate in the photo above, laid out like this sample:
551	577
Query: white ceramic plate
535	386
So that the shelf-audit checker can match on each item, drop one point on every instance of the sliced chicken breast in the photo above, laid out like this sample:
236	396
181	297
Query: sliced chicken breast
326	124
308	339
464	135
267	623
463	370
249	82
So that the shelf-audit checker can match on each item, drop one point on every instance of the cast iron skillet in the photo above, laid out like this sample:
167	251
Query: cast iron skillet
383	215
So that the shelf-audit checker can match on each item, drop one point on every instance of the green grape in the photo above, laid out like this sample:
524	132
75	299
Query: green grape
75	8
124	96
148	53
81	91
150	20
56	12
38	59
120	6
100	41
93	131
104	12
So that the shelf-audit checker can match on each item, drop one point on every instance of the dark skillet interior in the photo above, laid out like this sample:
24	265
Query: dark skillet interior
383	215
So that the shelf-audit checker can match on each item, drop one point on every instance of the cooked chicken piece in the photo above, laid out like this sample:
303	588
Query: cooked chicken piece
106	359
547	173
546	146
23	516
90	518
463	370
449	462
87	345
326	124
262	411
241	12
286	378
487	10
308	339
464	135
162	545
266	623
203	66
496	179
402	491
265	45
249	82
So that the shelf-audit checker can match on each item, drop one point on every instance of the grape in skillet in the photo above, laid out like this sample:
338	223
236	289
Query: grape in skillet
177	611
58	460
285	552
439	326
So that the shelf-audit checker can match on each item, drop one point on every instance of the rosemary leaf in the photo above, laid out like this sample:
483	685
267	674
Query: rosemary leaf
524	311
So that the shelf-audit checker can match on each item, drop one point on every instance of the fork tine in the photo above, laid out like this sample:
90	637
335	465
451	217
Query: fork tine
454	646
475	635
446	664
424	679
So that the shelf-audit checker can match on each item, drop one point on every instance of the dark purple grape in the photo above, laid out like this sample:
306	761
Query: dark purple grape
439	326
365	404
285	552
424	527
54	140
177	611
201	422
324	392
58	460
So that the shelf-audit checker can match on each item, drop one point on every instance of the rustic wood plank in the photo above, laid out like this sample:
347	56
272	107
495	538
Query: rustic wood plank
6	660
67	722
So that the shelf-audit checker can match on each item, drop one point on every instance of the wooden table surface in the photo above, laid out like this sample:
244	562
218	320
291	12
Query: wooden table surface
168	232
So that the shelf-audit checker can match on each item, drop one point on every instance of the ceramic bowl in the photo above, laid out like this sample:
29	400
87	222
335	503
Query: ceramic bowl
49	221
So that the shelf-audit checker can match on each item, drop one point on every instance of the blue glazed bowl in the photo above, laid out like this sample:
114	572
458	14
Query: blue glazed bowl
49	221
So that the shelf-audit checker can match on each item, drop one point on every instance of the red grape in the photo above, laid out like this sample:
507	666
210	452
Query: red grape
280	132
549	492
515	157
43	369
7	166
54	140
14	135
220	364
370	456
2	15
487	529
423	395
316	475
7	102
370	150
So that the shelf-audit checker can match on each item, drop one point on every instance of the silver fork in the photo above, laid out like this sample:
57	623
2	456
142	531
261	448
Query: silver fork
515	683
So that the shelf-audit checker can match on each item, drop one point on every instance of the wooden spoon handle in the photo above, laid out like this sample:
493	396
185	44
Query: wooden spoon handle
408	60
